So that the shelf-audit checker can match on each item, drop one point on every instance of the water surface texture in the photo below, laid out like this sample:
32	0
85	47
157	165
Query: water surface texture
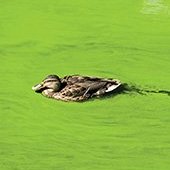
128	40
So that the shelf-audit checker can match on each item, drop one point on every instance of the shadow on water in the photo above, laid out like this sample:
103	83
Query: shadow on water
133	89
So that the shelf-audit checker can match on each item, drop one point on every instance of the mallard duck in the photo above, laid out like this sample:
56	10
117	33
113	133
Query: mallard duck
75	87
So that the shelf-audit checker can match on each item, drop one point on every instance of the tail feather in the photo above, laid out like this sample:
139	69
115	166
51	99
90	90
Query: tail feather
112	87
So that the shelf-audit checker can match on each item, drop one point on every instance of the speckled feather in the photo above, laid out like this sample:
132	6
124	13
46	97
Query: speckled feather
80	88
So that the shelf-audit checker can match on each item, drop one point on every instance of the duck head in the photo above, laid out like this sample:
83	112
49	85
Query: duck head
48	86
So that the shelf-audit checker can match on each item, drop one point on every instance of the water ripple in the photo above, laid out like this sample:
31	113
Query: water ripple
154	7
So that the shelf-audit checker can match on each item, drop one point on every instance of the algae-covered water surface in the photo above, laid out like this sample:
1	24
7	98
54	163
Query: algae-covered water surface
127	40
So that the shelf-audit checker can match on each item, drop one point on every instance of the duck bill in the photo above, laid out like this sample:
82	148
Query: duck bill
38	88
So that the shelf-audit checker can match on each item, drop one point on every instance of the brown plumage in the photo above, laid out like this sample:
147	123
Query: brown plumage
75	87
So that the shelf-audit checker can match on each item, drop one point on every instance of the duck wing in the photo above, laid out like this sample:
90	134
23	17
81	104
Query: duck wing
81	79
87	86
93	82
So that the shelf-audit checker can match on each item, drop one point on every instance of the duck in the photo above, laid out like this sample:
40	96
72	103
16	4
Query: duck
75	87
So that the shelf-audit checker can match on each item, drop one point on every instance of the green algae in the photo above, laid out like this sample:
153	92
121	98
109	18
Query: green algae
127	40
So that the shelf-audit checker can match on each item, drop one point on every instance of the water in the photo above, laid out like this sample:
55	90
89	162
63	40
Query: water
127	40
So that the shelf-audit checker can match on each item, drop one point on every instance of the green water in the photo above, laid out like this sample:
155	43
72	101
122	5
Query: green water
128	40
